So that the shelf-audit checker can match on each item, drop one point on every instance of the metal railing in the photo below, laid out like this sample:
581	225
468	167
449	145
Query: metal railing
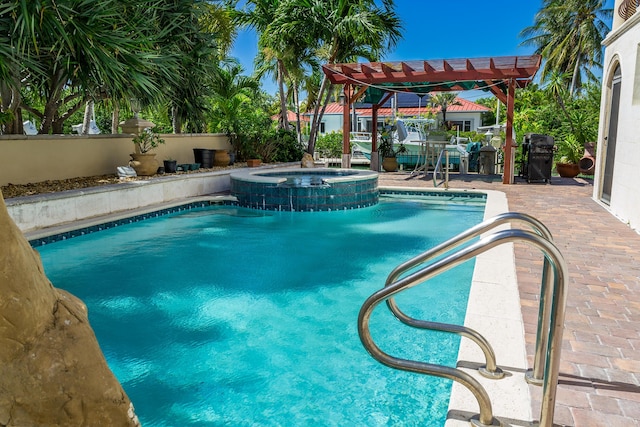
490	370
439	167
628	8
552	313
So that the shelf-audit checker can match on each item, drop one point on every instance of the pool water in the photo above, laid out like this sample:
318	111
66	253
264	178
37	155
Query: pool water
229	316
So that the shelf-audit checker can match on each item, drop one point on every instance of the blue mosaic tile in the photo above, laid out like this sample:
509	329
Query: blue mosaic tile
137	218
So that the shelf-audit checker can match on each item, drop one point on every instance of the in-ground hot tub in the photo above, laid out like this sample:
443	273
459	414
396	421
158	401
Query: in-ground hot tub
305	190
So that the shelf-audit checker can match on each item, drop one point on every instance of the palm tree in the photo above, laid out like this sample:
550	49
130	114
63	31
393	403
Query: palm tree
444	100
84	50
345	30
201	34
231	90
569	34
260	15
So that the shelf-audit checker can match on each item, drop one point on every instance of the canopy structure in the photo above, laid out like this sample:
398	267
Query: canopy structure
378	80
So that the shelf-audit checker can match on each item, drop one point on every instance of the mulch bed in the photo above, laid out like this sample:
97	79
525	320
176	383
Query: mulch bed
19	190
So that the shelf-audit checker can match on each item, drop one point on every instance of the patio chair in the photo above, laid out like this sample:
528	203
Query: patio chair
93	128
29	128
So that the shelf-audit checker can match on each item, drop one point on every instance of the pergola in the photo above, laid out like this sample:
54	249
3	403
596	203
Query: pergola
379	80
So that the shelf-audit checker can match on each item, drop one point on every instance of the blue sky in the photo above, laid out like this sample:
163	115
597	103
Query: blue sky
438	29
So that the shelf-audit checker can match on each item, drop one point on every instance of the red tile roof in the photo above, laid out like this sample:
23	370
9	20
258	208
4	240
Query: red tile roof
465	106
291	117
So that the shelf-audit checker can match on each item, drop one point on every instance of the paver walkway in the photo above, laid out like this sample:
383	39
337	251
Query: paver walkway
599	381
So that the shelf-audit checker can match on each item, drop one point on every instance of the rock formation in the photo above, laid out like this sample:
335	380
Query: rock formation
52	371
307	161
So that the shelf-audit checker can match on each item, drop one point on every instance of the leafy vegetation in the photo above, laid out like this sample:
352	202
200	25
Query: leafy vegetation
569	34
330	145
147	140
62	57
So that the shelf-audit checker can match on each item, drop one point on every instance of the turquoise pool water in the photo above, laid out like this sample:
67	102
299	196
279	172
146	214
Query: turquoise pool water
229	316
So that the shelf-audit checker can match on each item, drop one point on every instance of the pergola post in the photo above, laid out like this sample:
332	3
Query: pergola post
375	159
509	146
346	126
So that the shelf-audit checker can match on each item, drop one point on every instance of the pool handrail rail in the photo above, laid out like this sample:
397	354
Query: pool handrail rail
490	370
552	360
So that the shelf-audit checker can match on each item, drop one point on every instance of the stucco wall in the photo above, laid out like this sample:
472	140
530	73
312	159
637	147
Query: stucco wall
25	159
623	48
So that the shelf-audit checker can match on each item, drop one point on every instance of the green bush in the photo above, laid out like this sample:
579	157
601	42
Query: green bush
287	147
330	144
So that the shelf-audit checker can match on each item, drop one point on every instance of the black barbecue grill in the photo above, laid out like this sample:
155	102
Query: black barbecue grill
537	157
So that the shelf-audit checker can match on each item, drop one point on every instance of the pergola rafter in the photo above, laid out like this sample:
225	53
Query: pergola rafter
499	75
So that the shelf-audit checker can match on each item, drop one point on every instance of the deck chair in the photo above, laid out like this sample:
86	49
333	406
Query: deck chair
473	148
93	128
29	128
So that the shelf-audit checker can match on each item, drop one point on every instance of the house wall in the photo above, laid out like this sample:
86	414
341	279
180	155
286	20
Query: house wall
622	47
333	122
25	159
475	118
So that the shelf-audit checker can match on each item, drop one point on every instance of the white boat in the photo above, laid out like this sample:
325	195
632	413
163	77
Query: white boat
421	145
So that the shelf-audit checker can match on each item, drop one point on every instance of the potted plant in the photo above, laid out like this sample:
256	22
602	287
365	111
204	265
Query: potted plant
253	163
170	165
569	151
143	161
387	150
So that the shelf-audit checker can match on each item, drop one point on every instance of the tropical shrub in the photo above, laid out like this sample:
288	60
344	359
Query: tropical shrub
287	147
330	145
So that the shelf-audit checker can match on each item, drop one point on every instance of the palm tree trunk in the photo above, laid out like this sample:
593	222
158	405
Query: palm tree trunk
10	98
51	105
176	123
88	114
283	122
317	116
574	78
115	117
296	97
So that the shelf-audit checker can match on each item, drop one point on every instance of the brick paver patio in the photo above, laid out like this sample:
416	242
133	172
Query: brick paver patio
599	381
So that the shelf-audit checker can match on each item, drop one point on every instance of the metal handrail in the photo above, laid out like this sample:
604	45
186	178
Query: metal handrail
444	152
559	283
490	370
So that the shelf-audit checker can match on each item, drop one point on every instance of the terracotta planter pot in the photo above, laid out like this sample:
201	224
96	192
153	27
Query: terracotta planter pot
567	170
221	158
144	164
252	163
390	164
588	161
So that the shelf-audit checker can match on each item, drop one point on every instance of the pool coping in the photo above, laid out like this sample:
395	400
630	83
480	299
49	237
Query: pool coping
494	275
494	310
262	176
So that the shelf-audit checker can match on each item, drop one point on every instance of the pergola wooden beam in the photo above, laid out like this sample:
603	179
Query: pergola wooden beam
428	68
469	69
367	69
470	66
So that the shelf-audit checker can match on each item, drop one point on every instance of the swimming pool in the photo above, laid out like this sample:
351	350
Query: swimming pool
228	316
